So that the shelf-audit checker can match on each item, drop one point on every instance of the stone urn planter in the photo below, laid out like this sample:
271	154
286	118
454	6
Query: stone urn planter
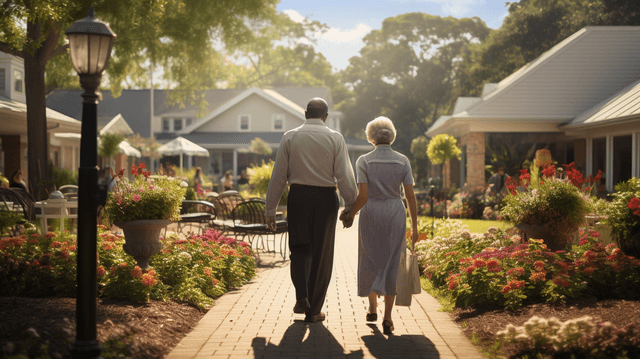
554	242
142	238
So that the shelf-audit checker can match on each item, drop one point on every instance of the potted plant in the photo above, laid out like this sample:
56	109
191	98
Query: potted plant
142	208
551	210
623	217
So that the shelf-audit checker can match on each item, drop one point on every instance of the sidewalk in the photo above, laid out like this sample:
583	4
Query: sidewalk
257	321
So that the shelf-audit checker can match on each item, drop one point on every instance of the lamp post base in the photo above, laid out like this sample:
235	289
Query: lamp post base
86	349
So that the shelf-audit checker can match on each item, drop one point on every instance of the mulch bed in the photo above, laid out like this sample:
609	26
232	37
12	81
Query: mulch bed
158	326
484	324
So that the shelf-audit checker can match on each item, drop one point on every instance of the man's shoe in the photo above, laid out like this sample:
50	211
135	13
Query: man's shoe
302	306
314	318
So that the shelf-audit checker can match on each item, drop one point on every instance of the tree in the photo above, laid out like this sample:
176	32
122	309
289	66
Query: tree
109	143
441	149
622	12
177	34
406	71
419	158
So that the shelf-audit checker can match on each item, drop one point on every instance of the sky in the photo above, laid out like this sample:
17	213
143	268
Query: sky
350	20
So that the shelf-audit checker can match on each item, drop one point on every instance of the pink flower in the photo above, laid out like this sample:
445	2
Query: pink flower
150	186
136	197
119	200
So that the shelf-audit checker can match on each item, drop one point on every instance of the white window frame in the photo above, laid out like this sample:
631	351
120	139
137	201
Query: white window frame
18	76
181	120
240	123
274	118
168	120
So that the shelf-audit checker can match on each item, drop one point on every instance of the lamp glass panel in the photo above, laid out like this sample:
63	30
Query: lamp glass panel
100	47
78	47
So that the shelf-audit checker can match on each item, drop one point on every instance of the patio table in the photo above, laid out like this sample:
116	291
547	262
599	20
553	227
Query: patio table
59	209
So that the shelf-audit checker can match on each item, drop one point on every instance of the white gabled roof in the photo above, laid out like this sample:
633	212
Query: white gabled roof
584	69
270	96
619	107
113	122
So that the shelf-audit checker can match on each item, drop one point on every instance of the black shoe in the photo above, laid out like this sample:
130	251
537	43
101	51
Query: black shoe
302	306
315	318
387	327
372	317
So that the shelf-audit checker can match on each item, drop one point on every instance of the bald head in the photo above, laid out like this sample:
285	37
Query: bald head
317	108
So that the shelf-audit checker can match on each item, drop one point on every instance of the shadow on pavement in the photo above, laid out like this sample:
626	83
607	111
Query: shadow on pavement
405	346
312	340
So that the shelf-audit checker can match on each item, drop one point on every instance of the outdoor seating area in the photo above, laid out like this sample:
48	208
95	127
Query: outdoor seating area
243	219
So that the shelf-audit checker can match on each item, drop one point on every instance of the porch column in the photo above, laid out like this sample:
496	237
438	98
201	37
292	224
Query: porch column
589	156
475	143
609	163
189	161
635	149
235	163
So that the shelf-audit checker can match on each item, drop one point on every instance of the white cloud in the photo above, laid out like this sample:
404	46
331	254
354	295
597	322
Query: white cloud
294	15
352	36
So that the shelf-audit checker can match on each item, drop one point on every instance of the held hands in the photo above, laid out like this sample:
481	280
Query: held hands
346	219
271	223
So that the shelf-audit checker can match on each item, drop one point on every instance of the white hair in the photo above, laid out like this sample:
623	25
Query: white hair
381	131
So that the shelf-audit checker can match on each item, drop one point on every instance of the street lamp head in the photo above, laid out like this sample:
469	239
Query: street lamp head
90	43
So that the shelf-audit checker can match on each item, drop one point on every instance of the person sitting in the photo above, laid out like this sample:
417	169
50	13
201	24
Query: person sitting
227	184
16	181
499	182
198	180
244	178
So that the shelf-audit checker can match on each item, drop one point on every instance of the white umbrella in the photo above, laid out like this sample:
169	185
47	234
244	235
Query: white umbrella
127	149
181	146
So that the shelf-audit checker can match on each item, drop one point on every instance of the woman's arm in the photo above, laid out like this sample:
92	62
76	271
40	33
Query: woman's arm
363	196
413	211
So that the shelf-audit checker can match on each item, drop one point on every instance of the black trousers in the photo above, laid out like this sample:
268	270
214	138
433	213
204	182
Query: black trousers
312	215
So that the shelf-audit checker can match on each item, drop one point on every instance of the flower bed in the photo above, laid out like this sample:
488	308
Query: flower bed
193	270
495	269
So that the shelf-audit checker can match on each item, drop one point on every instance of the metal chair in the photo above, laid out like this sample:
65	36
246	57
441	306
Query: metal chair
19	198
257	206
70	192
196	213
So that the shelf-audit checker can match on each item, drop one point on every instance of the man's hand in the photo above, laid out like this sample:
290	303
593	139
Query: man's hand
271	223
346	219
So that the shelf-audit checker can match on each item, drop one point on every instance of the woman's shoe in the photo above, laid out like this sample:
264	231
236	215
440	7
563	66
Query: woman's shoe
387	327
372	317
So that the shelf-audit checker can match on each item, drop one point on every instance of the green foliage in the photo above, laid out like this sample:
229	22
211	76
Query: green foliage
147	146
442	148
259	177
144	198
63	177
9	219
258	146
109	144
194	270
624	224
496	269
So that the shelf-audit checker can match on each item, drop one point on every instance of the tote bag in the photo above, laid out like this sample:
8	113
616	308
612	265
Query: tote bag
408	281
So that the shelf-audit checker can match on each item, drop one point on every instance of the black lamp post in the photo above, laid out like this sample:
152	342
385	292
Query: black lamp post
90	43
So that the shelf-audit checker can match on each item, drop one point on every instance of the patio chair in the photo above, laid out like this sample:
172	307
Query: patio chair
196	213
257	206
223	220
21	198
70	192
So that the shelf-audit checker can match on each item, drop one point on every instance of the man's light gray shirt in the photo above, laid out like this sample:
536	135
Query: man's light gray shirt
312	155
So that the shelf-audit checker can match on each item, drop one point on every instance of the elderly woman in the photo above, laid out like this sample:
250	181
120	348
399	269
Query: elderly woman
381	235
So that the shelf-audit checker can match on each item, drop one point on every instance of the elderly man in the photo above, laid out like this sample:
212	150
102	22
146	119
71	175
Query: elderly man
314	160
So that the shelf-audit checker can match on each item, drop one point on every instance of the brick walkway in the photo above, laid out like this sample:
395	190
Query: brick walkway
257	321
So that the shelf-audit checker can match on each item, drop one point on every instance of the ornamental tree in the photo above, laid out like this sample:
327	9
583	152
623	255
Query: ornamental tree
441	149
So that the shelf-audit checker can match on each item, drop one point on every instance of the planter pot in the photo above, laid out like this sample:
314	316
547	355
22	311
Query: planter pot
553	241
142	238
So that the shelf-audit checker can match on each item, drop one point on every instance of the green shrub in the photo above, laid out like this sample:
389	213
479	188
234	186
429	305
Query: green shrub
623	216
259	177
63	177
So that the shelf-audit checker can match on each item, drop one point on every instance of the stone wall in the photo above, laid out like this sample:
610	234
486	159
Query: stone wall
475	143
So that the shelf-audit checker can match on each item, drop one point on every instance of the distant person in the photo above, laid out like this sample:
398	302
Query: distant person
106	179
244	178
499	182
198	180
227	184
17	182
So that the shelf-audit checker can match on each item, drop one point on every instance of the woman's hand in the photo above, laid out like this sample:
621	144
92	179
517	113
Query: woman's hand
414	237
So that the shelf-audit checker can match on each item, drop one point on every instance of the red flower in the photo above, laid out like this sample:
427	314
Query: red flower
569	166
588	271
101	271
599	175
136	272
549	171
134	170
634	203
121	173
470	269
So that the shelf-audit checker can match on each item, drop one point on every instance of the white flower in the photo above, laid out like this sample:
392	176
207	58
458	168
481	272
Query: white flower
185	255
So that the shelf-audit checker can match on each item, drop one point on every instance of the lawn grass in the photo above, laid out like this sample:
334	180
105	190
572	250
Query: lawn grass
445	299
476	225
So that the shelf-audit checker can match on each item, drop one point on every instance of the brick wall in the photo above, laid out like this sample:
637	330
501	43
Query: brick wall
475	143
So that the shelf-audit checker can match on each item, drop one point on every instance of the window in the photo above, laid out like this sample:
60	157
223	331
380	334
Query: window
177	124
277	122
2	79
165	125
17	81
244	123
188	122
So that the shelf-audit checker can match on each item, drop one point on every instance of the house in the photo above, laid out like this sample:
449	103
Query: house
579	100
62	130
231	120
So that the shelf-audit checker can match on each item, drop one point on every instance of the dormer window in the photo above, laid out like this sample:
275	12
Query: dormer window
177	124
166	127
244	123
277	122
17	81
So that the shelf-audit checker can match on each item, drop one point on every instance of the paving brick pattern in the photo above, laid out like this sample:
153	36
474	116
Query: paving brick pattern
257	321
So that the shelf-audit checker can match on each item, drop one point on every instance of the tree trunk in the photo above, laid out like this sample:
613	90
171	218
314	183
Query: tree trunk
36	124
